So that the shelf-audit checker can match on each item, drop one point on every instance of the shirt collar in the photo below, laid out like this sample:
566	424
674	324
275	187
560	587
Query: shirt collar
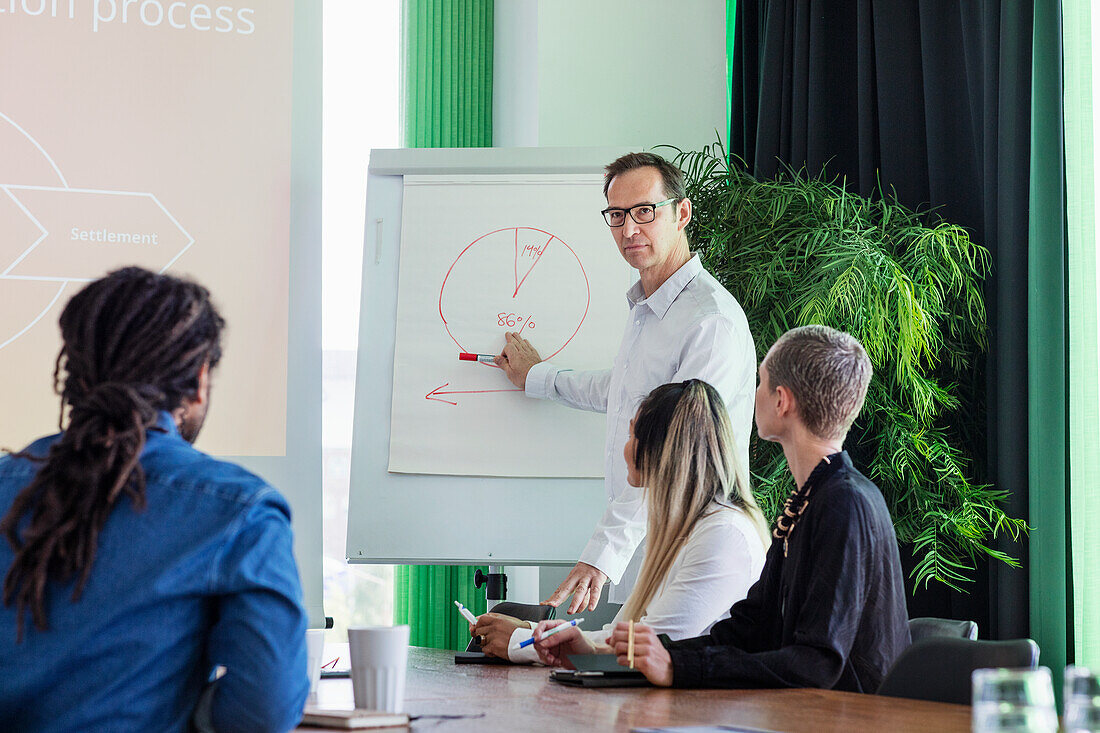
670	289
827	467
165	423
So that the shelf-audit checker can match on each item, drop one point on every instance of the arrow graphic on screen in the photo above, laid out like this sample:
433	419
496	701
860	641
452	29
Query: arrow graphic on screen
82	232
434	394
57	235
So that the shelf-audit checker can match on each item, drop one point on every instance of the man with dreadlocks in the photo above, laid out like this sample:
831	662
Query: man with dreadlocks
135	565
829	608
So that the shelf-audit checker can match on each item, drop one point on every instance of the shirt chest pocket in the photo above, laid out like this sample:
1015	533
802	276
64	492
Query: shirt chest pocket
645	368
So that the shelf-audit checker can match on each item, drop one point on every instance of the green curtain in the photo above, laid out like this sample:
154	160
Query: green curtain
447	80
1047	346
423	598
448	73
1084	413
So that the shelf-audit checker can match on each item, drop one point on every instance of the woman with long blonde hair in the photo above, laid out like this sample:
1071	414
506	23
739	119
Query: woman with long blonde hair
685	457
706	537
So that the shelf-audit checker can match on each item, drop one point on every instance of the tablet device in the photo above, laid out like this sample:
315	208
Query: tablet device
598	670
478	658
578	678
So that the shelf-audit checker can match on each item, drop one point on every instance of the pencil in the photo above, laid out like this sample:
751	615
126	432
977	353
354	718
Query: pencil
630	644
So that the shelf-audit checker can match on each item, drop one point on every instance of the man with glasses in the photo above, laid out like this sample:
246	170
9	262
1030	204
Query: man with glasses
683	325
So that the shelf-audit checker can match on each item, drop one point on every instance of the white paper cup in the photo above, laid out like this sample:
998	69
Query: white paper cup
315	651
379	655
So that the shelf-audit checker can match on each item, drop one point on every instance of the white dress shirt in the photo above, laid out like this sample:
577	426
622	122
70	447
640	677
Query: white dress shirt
689	328
714	569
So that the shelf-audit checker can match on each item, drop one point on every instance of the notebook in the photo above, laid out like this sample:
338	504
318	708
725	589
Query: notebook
357	719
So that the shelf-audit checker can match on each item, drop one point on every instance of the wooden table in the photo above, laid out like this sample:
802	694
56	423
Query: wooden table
522	698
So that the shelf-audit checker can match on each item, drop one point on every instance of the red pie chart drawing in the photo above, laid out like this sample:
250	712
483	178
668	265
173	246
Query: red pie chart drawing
519	279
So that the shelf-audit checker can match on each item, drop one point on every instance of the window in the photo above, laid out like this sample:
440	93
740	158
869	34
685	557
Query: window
361	80
1081	100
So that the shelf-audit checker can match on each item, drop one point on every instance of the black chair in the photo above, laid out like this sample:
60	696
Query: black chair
522	611
922	628
938	668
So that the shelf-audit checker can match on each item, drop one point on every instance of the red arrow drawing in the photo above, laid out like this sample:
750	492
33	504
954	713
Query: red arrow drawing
439	391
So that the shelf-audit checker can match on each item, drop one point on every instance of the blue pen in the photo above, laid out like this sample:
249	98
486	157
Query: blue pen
551	632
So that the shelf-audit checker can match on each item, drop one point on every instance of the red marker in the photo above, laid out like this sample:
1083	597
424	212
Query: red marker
483	358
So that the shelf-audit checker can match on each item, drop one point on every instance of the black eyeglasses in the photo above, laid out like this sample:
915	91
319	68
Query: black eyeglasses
641	214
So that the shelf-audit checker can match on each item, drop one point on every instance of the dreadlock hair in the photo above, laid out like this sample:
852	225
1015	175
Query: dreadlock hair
686	457
134	343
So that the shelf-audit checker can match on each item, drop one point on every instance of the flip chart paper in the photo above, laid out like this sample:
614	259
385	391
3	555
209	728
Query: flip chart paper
481	256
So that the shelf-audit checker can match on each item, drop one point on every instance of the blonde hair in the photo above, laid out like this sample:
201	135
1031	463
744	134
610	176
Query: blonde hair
687	458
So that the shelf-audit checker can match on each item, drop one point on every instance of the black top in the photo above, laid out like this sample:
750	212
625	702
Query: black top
830	614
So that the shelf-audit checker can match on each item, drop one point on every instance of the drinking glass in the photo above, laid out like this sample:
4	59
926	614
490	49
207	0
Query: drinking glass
1082	699
1013	701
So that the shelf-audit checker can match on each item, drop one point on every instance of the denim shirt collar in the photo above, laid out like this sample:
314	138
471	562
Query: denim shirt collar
664	296
165	424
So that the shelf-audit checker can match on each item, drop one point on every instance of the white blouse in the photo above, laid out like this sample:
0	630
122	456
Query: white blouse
689	328
722	558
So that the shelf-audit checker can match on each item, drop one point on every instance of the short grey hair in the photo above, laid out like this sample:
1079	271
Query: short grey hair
672	178
827	371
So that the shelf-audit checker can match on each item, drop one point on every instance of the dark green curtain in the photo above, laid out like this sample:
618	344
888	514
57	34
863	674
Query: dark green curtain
933	100
1048	349
448	90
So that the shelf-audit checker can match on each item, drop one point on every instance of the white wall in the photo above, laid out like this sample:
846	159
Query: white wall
515	74
609	72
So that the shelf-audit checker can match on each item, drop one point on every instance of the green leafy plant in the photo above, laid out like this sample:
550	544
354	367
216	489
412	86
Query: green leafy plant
801	249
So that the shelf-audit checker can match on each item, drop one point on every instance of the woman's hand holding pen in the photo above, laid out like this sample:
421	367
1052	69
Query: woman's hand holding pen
650	656
553	650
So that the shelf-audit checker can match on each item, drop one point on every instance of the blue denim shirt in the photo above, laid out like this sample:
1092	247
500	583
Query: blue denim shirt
204	575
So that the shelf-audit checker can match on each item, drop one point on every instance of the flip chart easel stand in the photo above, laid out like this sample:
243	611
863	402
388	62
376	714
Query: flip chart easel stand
496	585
